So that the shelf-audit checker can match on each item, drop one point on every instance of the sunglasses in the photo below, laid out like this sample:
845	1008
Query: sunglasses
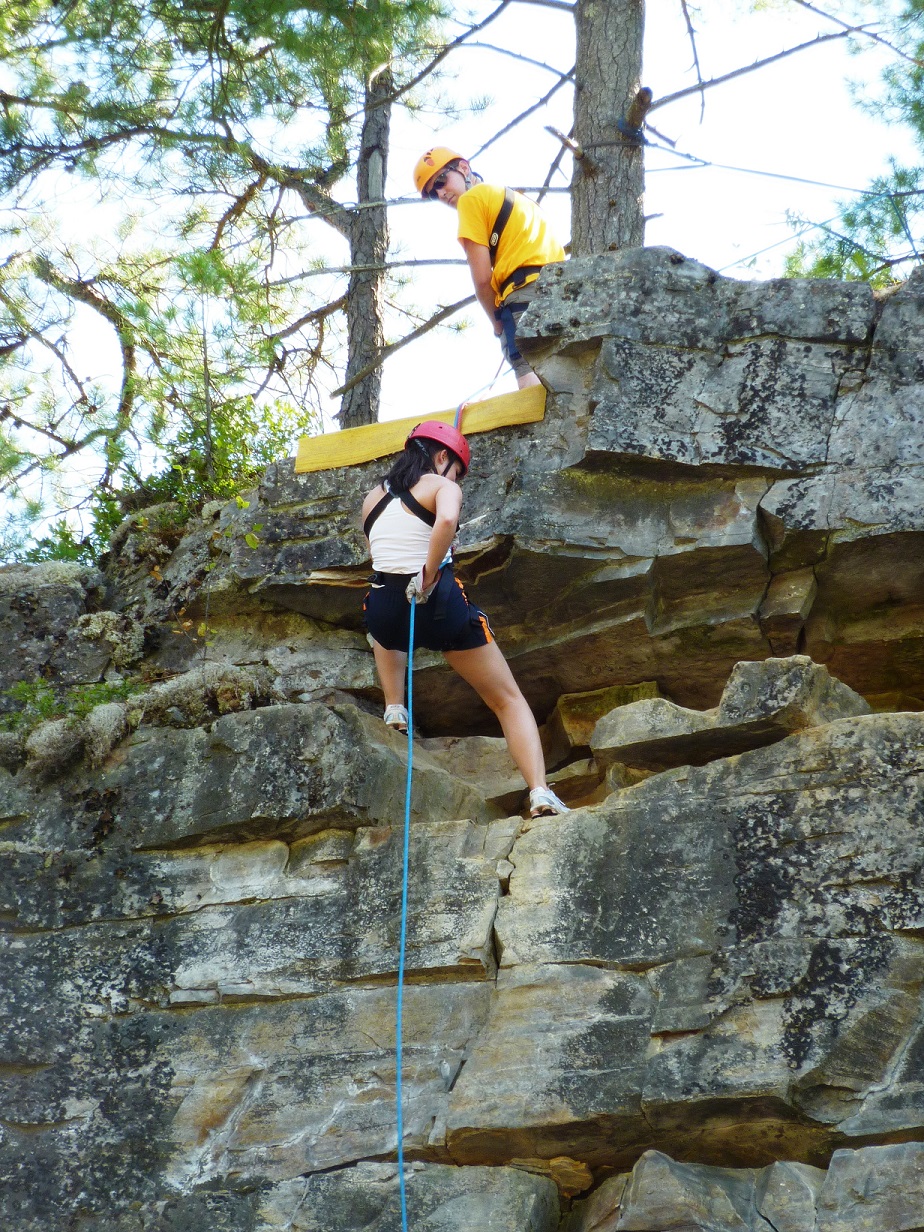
440	182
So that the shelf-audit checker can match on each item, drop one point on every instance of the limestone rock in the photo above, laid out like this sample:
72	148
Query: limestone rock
209	689
571	723
279	930
51	746
11	750
879	1189
761	703
576	1089
657	734
365	1198
670	1008
872	1188
439	1198
601	1211
787	1195
785	609
582	782
41	607
661	1192
254	1092
785	984
484	763
320	769
103	728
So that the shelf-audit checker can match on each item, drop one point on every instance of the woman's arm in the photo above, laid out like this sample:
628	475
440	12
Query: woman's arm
448	509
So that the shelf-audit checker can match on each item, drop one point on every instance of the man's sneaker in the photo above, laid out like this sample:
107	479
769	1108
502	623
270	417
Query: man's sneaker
543	802
396	717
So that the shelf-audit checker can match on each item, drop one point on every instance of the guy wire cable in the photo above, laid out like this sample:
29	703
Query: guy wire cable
399	1013
466	400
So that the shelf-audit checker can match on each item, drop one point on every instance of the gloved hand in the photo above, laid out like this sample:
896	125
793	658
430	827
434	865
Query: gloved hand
417	589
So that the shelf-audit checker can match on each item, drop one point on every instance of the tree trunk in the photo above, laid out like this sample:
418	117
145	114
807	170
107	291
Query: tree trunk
368	247
608	183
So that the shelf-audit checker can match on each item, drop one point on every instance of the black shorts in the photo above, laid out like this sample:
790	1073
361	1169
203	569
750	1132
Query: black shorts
447	621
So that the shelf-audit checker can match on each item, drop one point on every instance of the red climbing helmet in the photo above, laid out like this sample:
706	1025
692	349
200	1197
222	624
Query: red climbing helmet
443	434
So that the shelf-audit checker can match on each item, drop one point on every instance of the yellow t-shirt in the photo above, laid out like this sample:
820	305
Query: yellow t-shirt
526	239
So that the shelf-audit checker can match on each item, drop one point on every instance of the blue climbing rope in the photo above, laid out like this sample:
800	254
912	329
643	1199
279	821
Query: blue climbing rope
399	1051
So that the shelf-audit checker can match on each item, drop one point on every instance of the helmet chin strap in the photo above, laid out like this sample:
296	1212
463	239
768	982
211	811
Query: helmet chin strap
423	449
450	463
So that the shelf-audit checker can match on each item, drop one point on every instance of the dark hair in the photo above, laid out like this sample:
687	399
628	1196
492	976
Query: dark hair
414	461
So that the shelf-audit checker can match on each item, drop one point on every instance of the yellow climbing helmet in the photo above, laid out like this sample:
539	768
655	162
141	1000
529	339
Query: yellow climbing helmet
430	163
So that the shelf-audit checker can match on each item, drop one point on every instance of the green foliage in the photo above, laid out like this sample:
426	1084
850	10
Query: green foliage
207	134
62	542
879	237
28	703
874	239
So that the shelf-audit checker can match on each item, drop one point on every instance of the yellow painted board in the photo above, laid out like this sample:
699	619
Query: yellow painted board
378	440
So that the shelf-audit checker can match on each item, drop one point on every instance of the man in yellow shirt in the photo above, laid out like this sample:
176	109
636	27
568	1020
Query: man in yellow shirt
506	239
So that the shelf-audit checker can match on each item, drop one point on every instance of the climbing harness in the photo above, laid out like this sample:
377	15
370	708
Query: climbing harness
518	278
499	223
399	1014
405	498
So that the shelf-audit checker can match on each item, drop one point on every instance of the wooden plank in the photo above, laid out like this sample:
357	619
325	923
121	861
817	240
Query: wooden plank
378	440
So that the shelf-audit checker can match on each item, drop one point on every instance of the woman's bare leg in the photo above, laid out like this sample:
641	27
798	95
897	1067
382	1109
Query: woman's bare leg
391	666
487	671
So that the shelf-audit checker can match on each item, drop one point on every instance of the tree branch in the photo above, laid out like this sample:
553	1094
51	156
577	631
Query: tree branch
363	269
437	60
748	68
566	77
236	209
315	199
553	167
86	293
877	38
386	352
699	76
514	55
316	314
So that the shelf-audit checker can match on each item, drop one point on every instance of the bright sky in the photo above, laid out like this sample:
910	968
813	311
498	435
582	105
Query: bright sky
795	117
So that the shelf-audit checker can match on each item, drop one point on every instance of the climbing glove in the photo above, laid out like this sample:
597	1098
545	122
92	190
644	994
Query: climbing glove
417	590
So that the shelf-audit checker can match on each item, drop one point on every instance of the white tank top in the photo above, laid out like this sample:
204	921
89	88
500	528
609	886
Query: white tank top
399	540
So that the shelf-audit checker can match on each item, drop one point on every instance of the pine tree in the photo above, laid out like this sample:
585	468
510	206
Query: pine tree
879	236
235	129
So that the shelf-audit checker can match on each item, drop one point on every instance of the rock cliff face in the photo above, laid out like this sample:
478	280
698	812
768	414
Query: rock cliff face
692	1004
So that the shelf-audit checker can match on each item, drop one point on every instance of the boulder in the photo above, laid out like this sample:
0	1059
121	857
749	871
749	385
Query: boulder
41	635
761	703
571	724
878	1189
661	1193
439	1199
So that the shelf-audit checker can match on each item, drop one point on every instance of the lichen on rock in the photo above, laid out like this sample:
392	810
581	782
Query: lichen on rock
693	1001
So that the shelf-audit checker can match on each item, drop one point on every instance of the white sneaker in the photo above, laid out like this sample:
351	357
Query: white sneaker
396	717
543	802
